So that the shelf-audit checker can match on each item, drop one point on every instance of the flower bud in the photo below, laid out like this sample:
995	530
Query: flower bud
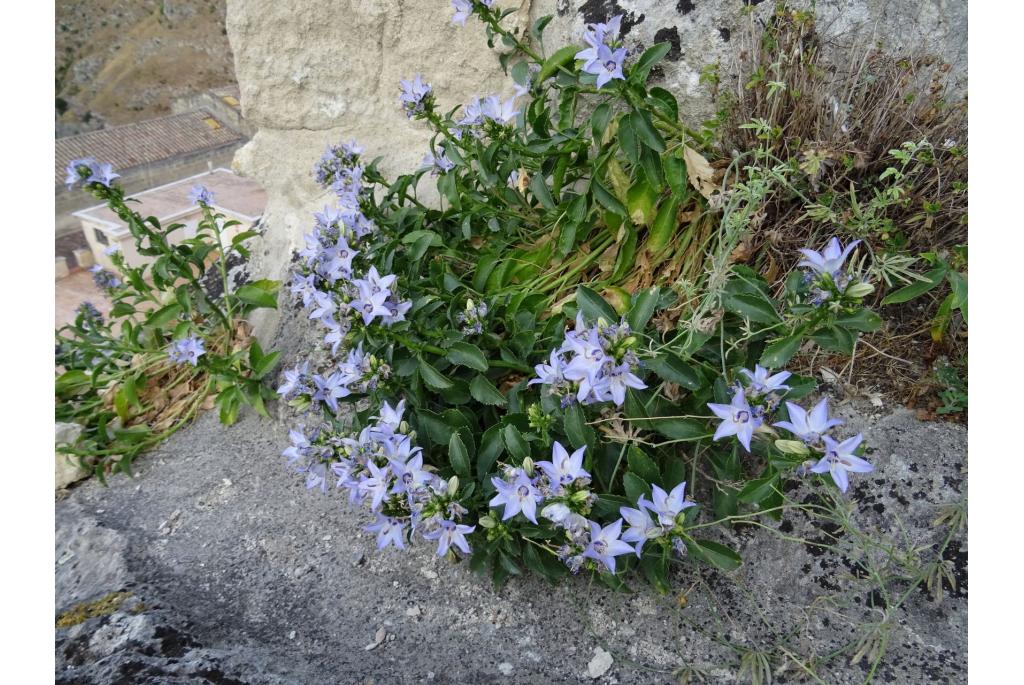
487	522
469	305
580	496
528	466
453	485
860	290
795	447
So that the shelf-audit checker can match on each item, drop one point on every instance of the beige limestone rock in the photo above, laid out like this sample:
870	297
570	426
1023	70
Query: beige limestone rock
313	73
67	470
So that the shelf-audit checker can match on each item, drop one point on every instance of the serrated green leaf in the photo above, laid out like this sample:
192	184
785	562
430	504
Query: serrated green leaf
432	377
751	307
483	391
672	369
561	58
458	456
642	465
779	352
468	355
515	442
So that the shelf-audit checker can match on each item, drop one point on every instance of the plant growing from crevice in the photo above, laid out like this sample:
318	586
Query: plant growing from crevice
504	387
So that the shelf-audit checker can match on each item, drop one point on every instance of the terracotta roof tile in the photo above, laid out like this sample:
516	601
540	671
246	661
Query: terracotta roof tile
145	142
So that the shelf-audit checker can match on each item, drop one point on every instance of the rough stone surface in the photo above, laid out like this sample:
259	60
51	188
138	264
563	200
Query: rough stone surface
240	575
313	73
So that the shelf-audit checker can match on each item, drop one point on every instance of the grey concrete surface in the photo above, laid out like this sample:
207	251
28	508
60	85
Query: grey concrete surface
237	574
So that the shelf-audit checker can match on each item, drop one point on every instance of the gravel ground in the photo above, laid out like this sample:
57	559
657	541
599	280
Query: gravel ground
236	574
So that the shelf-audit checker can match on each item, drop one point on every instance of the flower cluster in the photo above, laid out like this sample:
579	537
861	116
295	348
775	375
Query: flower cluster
464	8
478	113
105	280
753	404
200	195
335	163
379	466
360	373
87	171
746	412
827	274
326	281
594	364
562	487
437	161
604	55
187	350
417	97
472	318
837	458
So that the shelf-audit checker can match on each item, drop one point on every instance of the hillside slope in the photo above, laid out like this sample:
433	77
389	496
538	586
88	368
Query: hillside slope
119	61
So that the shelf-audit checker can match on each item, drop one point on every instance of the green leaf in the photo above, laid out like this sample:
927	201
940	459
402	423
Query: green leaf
72	382
645	130
599	120
259	293
435	428
644	304
229	401
759	489
491	447
917	288
593	305
562	57
862	320
781	351
651	56
540	191
680	429
458	456
483	391
715	554
664	101
672	369
629	140
635	486
265	364
432	377
468	355
163	316
515	442
642	465
576	428
675	174
606	199
751	307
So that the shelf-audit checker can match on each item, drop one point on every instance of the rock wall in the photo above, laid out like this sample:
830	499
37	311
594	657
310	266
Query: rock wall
313	73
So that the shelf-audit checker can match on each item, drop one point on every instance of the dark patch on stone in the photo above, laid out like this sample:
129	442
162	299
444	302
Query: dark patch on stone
670	34
600	11
913	467
875	599
748	3
685	6
173	643
725	33
879	507
786	526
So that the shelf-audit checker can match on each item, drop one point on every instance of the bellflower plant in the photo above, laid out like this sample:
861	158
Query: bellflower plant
536	370
176	322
